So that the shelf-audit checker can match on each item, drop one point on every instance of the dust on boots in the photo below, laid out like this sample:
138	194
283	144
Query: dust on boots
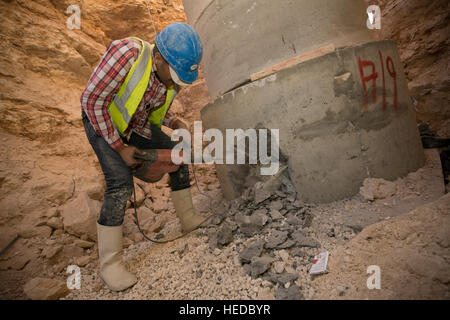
189	218
112	269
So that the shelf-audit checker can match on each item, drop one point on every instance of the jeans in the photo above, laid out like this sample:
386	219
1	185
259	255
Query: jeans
118	176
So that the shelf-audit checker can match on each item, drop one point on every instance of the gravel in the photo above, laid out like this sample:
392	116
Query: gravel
260	246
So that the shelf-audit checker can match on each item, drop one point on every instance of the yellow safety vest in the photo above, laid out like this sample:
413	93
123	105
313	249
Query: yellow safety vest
126	101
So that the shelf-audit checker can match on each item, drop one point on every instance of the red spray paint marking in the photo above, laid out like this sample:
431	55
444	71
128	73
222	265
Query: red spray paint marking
373	77
384	80
393	74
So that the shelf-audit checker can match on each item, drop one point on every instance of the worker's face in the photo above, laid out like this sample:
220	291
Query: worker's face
163	71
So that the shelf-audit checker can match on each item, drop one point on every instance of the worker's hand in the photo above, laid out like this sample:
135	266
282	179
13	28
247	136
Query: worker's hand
127	154
180	125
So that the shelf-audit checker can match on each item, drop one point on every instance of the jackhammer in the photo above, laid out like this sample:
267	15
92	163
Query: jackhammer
156	163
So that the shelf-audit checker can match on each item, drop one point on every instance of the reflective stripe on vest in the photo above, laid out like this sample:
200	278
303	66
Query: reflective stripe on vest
156	117
127	100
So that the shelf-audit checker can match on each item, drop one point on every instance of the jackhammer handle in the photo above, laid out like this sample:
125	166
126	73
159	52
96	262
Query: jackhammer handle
153	155
150	155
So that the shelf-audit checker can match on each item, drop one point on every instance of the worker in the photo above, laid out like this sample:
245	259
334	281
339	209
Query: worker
124	104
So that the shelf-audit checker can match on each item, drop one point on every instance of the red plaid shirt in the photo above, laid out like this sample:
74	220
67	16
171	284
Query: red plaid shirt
106	81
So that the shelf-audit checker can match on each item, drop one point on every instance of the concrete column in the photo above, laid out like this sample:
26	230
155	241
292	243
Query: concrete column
342	117
241	37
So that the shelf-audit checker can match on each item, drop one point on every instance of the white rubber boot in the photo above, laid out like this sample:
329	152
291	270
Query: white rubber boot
189	218
112	270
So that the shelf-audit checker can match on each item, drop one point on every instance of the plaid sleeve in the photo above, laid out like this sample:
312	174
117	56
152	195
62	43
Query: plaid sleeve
104	82
169	119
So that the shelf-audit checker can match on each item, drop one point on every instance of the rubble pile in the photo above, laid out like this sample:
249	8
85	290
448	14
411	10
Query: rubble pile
273	228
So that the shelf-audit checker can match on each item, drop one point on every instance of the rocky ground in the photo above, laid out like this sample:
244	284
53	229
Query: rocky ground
411	252
262	245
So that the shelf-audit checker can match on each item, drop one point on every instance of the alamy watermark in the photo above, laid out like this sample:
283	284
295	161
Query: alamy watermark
374	17
231	149
374	281
74	280
74	21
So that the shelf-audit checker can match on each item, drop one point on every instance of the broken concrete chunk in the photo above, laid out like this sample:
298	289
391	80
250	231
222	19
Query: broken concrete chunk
291	293
248	194
253	250
259	265
282	279
262	211
293	220
275	214
247	225
247	269
281	194
236	204
250	229
299	204
298	252
287	244
212	239
232	224
259	218
261	193
308	220
225	235
242	219
304	241
276	205
276	238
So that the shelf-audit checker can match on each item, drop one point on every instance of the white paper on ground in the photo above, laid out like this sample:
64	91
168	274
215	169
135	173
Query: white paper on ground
320	263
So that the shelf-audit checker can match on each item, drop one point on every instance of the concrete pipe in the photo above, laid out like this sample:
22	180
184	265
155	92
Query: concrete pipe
243	37
342	117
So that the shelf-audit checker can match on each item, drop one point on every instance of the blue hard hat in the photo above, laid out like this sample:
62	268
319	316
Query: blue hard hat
180	45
